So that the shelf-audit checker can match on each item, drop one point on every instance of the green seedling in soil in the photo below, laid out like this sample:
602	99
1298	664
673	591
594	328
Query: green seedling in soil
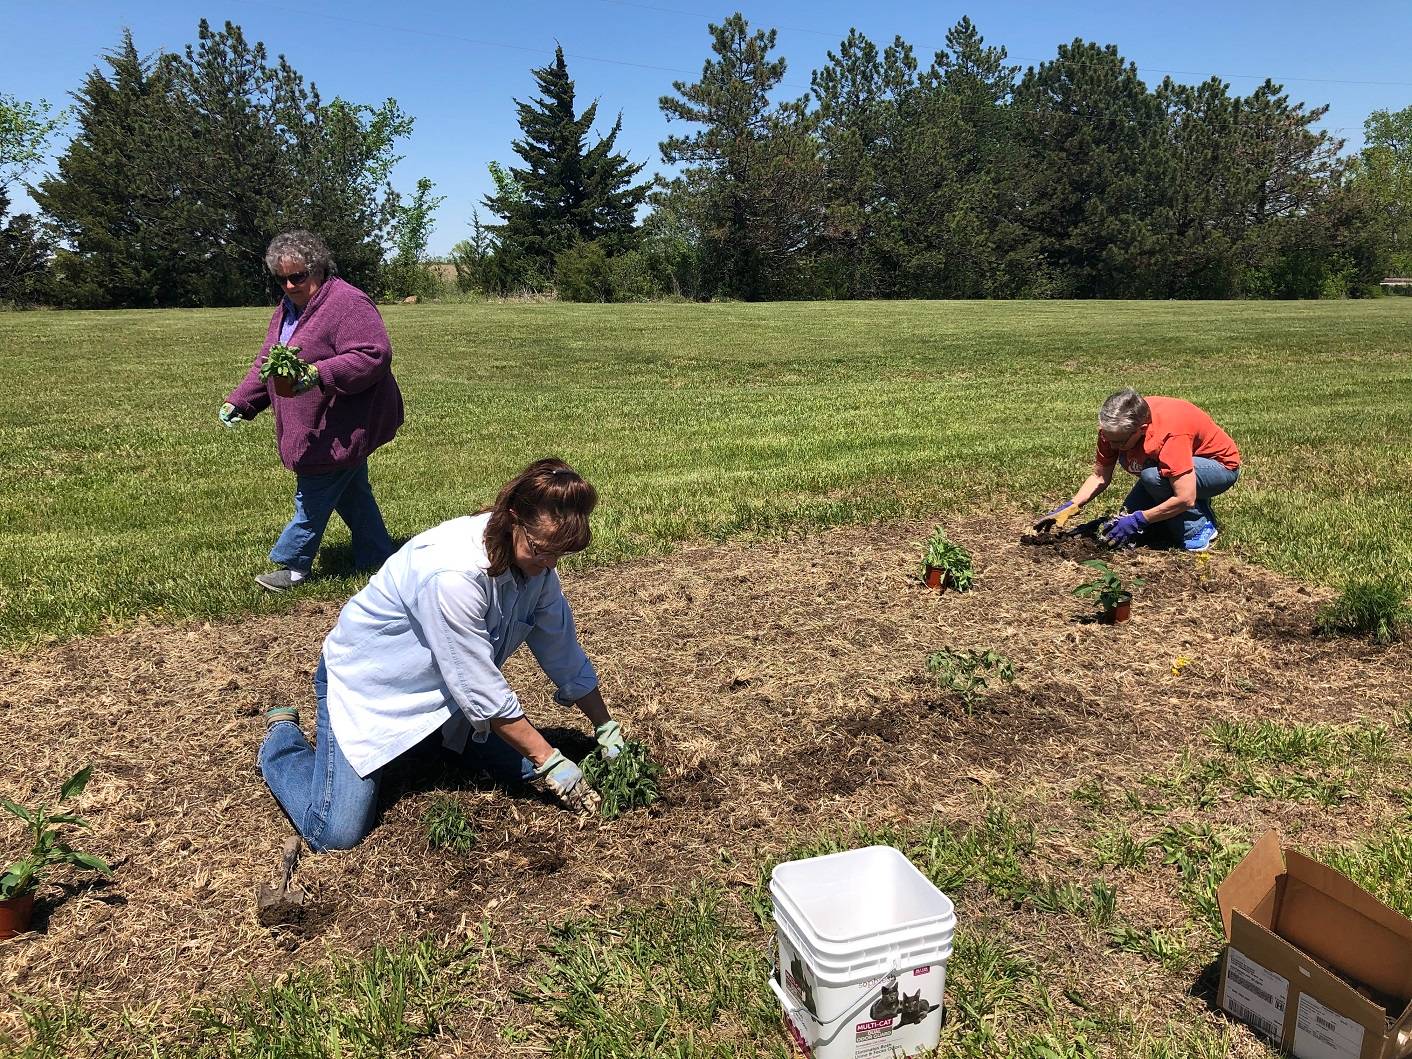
967	673
283	361
48	847
1107	588
1369	606
951	559
447	826
627	781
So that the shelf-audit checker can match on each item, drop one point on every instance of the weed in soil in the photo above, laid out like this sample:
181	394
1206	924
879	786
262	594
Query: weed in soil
626	781
1376	607
447	826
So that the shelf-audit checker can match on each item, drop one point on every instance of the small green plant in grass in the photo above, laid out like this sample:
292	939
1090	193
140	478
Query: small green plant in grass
951	559
628	781
49	849
448	827
1369	606
282	362
1107	588
968	673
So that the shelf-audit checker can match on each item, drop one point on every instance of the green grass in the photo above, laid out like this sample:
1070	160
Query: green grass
121	495
1368	606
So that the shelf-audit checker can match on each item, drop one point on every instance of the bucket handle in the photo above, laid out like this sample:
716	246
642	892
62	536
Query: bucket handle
803	1015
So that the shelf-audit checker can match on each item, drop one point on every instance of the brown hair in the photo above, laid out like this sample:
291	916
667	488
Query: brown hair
550	491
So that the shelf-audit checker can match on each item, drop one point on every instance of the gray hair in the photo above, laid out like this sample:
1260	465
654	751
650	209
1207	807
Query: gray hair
304	246
1123	413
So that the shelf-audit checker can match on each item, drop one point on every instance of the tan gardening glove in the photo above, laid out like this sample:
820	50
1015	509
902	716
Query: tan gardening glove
1055	520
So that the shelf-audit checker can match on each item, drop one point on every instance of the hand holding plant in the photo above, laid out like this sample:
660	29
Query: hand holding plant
624	780
48	848
282	363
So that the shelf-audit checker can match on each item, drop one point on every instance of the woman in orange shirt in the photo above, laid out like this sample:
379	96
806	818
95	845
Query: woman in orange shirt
1181	459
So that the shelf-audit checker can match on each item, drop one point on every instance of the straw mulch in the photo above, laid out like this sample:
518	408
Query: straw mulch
782	683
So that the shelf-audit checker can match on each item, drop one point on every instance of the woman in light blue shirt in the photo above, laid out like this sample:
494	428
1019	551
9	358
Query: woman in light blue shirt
420	650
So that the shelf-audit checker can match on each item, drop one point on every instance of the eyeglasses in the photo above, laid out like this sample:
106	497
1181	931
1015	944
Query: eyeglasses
539	551
294	277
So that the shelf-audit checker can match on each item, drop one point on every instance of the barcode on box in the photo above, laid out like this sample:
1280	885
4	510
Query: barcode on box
1254	1019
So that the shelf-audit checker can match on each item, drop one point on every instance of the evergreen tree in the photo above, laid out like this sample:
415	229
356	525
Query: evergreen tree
566	192
113	200
756	164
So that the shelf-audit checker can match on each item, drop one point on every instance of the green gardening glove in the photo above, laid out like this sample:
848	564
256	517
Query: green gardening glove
230	417
610	739
565	782
307	379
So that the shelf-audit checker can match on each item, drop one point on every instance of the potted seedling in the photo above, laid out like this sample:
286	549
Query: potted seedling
625	781
282	364
1112	594
945	564
48	850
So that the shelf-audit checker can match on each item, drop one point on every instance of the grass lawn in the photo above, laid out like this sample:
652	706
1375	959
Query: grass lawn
121	495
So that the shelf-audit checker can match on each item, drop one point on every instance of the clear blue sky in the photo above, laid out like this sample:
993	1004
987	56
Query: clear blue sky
455	67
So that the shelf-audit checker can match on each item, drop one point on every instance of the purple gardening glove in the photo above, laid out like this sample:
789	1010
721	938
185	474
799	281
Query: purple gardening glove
1123	529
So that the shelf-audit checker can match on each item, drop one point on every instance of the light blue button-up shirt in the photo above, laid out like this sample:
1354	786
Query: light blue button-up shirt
422	646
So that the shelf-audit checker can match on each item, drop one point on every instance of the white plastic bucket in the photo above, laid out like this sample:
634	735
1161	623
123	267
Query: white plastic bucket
863	942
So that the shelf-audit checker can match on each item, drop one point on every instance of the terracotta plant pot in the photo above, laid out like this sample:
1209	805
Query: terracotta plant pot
937	578
284	386
15	914
1121	612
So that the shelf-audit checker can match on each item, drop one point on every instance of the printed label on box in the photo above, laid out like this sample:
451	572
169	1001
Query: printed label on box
1320	1033
1255	994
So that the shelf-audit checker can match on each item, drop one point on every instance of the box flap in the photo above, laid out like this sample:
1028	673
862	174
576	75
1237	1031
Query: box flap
1333	919
1252	882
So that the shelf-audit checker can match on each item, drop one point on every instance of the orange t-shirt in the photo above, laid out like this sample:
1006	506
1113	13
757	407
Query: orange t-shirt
1178	431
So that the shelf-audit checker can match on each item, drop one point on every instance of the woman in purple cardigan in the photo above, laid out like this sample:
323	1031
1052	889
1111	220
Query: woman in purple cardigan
345	406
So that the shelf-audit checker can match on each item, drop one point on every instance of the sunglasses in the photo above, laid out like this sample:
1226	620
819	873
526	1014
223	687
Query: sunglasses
295	278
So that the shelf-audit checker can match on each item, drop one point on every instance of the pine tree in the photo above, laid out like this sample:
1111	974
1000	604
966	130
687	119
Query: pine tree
565	192
112	200
756	164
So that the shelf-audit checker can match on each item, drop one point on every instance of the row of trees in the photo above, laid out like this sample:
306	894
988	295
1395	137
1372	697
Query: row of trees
960	177
182	167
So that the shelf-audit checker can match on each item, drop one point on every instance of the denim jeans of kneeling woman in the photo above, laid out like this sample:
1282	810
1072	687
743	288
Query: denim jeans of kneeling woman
326	800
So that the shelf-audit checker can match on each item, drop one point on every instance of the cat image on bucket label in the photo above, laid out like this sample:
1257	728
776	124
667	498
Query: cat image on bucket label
901	1023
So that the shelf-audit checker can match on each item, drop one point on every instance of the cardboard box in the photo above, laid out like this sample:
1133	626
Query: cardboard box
1314	962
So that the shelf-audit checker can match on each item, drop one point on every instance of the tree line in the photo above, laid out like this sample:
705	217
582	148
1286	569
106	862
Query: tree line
958	177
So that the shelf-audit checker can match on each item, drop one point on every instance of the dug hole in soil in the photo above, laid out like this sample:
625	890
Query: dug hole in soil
782	685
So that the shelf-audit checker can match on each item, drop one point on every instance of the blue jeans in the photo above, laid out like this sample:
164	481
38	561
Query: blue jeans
328	803
1212	479
316	498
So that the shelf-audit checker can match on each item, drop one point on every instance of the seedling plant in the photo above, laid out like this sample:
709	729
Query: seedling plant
282	362
950	558
967	674
627	781
1107	588
48	846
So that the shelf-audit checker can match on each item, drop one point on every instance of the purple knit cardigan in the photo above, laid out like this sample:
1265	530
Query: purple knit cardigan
355	408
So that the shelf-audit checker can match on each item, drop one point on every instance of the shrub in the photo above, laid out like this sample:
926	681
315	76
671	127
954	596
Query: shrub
582	274
1369	606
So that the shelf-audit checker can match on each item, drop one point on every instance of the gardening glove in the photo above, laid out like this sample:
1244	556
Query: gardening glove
307	379
1055	520
1125	528
610	739
229	416
564	780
